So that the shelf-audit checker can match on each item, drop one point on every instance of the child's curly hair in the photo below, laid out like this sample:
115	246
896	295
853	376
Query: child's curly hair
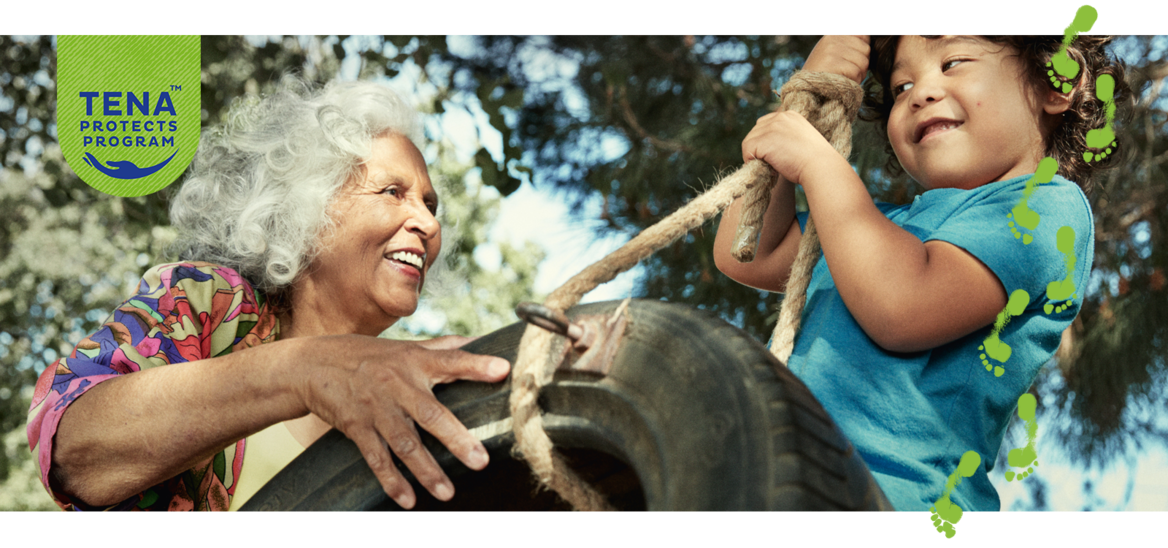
1069	140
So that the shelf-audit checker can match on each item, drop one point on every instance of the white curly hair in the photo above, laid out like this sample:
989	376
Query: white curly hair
257	196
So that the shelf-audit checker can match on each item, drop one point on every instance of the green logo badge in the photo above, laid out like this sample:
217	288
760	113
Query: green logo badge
128	109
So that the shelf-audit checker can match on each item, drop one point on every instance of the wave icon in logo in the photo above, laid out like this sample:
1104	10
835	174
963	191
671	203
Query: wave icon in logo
125	169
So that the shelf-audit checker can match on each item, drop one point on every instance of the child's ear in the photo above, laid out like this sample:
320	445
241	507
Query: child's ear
1056	103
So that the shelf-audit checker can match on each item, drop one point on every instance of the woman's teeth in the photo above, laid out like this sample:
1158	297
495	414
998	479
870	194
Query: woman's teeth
408	258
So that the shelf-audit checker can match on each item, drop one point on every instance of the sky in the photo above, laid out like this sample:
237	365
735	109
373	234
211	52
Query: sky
1148	474
543	217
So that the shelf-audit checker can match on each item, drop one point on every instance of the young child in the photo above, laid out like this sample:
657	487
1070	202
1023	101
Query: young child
906	338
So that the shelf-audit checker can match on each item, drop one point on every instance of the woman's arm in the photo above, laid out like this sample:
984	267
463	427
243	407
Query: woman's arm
136	430
778	244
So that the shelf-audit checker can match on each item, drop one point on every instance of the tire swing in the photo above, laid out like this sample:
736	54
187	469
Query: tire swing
650	405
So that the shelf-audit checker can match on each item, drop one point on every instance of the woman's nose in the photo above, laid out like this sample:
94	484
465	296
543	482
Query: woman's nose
423	223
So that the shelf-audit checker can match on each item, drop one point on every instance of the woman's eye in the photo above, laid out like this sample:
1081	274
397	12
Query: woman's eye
392	191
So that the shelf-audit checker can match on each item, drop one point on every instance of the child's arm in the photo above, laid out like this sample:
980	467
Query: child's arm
777	247
779	241
907	295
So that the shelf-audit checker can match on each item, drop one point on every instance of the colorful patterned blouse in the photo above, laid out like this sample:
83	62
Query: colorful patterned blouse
182	312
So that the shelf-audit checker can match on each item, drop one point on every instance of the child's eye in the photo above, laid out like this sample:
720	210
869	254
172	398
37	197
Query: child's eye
902	88
951	63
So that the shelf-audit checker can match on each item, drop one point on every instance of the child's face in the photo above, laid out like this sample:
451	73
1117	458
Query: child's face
964	114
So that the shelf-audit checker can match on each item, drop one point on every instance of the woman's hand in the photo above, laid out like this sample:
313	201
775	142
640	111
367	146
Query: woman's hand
843	55
376	390
789	143
446	342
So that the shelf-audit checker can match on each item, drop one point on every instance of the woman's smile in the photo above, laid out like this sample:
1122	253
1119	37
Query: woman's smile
409	262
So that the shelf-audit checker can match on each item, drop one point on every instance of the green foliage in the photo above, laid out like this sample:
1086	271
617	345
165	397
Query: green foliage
21	490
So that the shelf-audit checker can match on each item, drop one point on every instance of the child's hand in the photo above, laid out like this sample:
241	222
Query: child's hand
843	55
788	142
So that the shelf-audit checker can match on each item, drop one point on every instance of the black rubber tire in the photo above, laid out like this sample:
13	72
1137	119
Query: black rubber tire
692	416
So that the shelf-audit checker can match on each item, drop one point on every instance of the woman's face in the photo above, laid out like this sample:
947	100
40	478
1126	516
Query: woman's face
385	239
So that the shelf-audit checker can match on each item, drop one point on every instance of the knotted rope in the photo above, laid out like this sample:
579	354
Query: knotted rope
830	102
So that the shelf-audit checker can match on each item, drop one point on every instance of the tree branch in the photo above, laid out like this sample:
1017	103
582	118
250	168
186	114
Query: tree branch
631	120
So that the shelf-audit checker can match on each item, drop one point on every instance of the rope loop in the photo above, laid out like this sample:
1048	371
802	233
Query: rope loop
829	87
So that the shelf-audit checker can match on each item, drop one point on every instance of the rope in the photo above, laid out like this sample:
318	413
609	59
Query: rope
836	99
830	102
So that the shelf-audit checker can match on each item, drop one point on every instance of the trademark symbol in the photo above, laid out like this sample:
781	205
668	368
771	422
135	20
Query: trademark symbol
175	88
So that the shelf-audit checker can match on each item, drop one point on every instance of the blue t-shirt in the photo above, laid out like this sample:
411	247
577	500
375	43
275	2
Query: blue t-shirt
912	415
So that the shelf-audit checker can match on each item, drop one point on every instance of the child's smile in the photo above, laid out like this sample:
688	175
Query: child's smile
933	126
964	113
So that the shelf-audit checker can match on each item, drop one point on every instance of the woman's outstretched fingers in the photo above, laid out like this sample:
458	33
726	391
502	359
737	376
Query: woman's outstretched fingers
404	442
436	419
453	365
376	455
378	395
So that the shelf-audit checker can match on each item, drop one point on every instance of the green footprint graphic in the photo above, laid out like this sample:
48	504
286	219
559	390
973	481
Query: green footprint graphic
1025	456
1061	69
993	346
1059	66
945	514
1102	139
1063	290
1025	217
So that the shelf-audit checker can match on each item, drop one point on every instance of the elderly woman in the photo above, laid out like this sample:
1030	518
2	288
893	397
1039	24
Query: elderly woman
307	228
